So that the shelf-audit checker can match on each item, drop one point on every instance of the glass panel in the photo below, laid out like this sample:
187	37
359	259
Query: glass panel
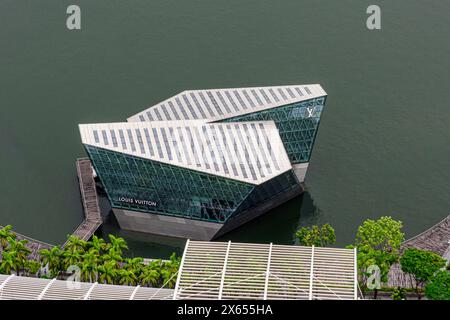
122	139
105	137
174	111
202	96
267	191
150	186
222	100
297	124
182	109
130	137
96	136
113	138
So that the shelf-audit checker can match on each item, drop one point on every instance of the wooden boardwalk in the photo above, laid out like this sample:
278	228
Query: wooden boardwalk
93	218
436	239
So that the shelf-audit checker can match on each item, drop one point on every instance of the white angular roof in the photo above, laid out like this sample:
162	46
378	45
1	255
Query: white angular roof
24	288
251	152
219	104
221	270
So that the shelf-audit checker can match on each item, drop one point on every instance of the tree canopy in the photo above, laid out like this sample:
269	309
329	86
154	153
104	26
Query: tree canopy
439	286
96	260
378	244
315	236
421	265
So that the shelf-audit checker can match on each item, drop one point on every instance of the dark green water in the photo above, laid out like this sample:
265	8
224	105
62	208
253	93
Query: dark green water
383	144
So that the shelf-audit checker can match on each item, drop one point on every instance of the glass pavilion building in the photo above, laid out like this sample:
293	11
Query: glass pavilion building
204	162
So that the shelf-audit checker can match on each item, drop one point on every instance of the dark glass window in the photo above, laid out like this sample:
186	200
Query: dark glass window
135	183
297	124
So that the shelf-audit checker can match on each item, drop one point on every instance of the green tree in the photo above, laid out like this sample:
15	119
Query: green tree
20	252
52	258
8	262
378	243
399	294
76	244
108	272
438	288
117	244
32	267
135	264
420	265
315	236
71	258
149	276
6	235
169	270
112	255
89	266
98	261
127	277
98	244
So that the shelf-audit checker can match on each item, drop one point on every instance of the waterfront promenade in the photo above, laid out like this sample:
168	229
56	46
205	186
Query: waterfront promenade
434	239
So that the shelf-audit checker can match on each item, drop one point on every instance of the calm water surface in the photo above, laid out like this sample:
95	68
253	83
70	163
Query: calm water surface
383	144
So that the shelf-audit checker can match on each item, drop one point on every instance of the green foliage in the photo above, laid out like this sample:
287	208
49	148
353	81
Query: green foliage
378	243
32	267
14	253
421	265
438	287
53	259
383	234
399	294
315	236
97	260
6	236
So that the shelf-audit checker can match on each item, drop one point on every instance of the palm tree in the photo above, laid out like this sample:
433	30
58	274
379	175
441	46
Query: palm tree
108	272
75	244
52	258
71	258
117	244
112	255
135	264
21	252
149	276
170	268
98	244
127	277
8	262
32	267
5	236
89	267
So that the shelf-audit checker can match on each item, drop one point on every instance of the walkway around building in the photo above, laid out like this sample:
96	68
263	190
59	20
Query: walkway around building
89	198
436	239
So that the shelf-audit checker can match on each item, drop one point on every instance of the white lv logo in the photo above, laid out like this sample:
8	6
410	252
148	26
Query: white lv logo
310	112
